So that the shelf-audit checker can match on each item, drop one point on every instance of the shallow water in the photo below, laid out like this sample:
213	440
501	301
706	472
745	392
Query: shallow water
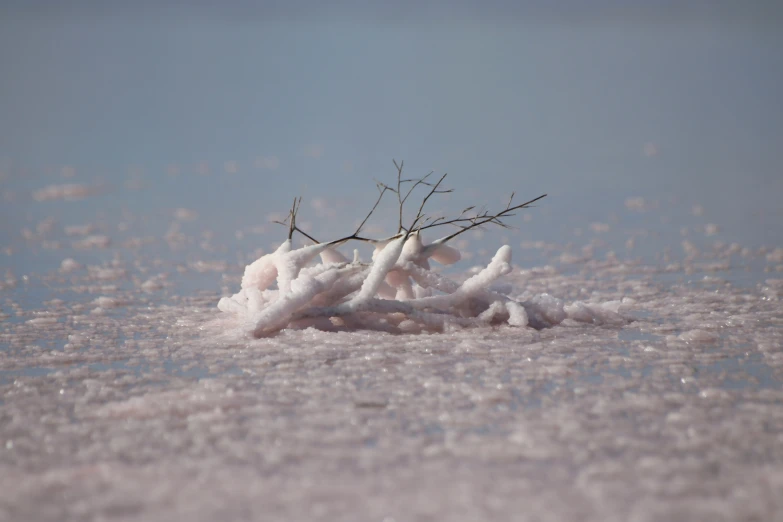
125	396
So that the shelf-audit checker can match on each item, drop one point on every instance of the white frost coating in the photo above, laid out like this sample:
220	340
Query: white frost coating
443	254
396	293
381	244
429	279
283	264
387	291
383	262
350	281
261	272
412	249
499	266
433	280
332	256
545	311
276	316
419	254
404	292
494	310
516	313
233	305
290	263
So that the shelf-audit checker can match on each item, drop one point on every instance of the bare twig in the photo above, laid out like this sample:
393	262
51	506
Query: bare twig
290	220
297	229
463	222
422	181
402	199
292	214
433	190
399	188
482	218
382	189
308	236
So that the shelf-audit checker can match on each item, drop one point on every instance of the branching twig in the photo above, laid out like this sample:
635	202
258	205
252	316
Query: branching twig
481	218
297	229
434	190
290	221
402	199
421	221
292	216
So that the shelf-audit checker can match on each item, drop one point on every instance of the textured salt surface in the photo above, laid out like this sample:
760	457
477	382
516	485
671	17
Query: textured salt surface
126	395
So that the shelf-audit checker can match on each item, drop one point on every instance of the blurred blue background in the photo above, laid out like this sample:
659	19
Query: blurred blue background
233	110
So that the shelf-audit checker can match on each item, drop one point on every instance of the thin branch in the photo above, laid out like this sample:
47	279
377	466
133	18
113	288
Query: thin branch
418	182
421	222
399	189
290	222
432	191
482	219
402	199
308	236
377	201
292	215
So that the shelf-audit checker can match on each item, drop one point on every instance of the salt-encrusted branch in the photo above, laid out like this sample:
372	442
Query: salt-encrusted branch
499	266
349	283
427	279
382	264
277	315
433	311
261	272
289	264
381	293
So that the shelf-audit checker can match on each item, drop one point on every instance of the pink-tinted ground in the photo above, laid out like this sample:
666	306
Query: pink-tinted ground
121	399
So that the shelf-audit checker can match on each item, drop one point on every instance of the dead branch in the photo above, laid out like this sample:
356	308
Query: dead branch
463	222
382	189
434	190
481	218
402	199
290	221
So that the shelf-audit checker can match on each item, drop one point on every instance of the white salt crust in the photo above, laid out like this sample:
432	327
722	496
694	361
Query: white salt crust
586	386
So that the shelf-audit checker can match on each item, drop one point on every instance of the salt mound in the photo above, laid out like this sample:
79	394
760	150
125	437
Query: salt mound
396	292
